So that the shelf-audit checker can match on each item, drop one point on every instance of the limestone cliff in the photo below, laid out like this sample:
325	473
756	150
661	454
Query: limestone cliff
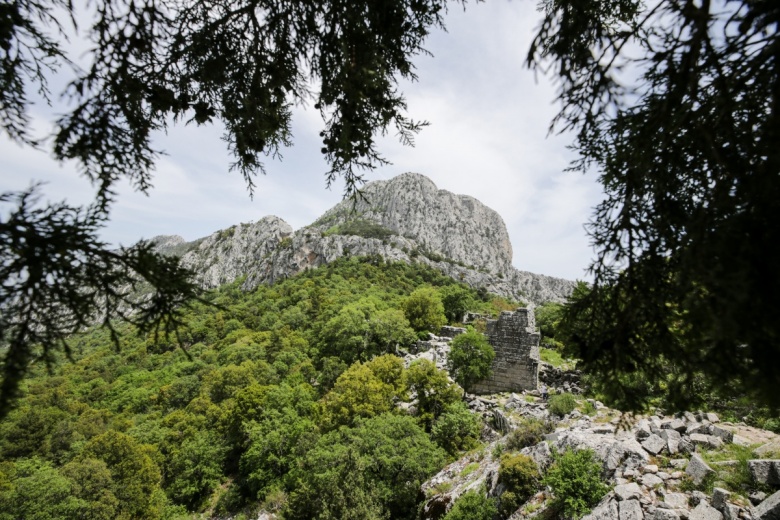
406	219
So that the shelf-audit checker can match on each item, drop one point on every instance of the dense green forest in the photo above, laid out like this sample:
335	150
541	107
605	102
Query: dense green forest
285	397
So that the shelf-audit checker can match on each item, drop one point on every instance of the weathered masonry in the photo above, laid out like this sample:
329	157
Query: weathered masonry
516	366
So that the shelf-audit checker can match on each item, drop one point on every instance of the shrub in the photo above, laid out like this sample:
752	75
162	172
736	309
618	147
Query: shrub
529	432
456	429
425	310
521	477
471	358
561	404
575	480
473	505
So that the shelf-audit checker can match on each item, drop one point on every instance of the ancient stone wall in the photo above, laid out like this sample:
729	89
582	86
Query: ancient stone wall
516	366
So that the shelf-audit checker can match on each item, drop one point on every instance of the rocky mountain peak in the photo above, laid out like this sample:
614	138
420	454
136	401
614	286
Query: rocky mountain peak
456	227
406	219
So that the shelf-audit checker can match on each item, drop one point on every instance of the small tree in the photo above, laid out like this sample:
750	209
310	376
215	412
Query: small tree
424	310
473	505
575	480
471	358
456	429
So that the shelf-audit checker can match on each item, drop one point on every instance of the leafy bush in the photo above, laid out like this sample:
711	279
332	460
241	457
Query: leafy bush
471	358
561	404
772	424
575	480
456	429
361	228
521	477
529	432
473	505
425	310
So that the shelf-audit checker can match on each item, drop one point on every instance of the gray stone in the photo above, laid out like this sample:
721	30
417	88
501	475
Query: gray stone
724	434
675	424
606	510
650	468
698	428
713	418
686	446
720	498
769	509
654	444
672	438
676	500
700	439
650	481
643	430
765	471
665	514
715	442
705	512
698	469
630	510
757	497
730	512
541	455
697	497
628	491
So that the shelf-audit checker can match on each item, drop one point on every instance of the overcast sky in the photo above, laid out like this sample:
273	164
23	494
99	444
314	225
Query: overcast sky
488	138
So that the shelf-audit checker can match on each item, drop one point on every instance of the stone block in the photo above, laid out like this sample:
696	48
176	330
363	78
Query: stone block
630	510
720	498
672	438
725	435
665	514
651	481
705	512
630	491
765	471
654	444
769	509
676	500
698	469
606	510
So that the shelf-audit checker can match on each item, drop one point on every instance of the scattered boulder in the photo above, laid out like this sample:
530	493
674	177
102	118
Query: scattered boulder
654	444
630	510
765	471
698	469
629	491
606	510
769	509
705	511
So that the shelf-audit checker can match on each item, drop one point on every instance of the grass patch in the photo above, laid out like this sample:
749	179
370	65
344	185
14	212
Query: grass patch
554	358
735	477
438	489
469	469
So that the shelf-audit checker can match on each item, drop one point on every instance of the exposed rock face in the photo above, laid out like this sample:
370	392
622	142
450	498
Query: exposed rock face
439	221
412	221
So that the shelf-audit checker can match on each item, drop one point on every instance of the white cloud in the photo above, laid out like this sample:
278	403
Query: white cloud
488	139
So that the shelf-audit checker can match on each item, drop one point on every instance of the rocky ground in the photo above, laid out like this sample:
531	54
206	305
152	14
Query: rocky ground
654	464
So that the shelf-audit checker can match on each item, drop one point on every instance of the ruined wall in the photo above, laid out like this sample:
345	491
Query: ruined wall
516	366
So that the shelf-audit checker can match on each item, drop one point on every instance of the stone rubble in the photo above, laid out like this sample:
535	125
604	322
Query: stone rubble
644	489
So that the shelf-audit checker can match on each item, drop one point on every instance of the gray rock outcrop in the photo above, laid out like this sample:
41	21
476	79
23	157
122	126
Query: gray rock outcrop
406	219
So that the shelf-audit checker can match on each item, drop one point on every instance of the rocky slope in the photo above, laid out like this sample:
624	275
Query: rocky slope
654	467
405	219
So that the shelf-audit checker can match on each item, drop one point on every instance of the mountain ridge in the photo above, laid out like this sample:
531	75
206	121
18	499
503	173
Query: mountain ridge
406	218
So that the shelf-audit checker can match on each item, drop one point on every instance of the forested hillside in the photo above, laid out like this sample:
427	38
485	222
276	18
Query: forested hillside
283	398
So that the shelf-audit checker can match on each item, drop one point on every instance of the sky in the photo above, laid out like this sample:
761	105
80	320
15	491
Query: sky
488	138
